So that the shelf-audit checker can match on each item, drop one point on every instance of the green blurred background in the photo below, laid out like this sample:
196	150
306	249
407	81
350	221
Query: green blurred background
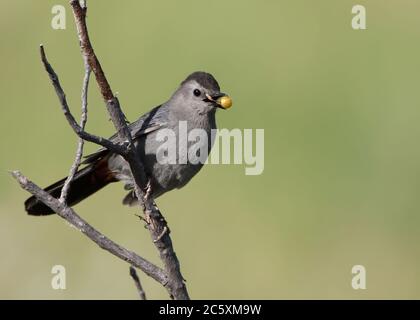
340	109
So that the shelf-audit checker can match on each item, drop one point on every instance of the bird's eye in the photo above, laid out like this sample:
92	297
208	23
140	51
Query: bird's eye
197	92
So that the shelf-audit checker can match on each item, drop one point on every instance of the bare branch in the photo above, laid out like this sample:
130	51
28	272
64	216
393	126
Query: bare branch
117	116
170	277
101	240
156	223
117	148
137	282
87	50
83	120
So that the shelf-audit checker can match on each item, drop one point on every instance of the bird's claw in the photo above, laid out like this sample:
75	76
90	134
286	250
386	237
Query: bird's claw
164	231
148	190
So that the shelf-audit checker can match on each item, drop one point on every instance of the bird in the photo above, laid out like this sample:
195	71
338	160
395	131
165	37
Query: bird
193	103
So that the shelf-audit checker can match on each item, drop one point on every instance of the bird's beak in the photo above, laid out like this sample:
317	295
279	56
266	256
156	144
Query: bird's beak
222	100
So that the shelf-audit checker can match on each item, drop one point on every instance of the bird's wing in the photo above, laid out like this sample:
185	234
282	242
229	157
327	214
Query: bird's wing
149	122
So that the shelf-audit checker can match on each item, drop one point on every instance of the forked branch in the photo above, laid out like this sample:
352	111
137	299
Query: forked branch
170	277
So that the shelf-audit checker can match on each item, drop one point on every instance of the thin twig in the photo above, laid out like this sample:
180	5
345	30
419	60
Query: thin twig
137	282
83	120
101	240
114	147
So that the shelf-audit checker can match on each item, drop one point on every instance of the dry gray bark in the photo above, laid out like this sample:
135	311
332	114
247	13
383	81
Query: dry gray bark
137	282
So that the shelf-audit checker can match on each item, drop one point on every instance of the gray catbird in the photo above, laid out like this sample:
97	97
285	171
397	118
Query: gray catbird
194	103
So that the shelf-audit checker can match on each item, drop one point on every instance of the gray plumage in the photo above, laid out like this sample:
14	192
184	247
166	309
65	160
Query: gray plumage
195	102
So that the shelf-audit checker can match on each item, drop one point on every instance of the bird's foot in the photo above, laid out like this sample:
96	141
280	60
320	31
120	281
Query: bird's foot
148	190
160	236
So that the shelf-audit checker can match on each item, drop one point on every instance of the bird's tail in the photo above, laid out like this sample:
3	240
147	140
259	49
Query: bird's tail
85	183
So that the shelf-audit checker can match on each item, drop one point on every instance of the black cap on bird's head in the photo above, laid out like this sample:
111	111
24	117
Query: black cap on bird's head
206	80
204	87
